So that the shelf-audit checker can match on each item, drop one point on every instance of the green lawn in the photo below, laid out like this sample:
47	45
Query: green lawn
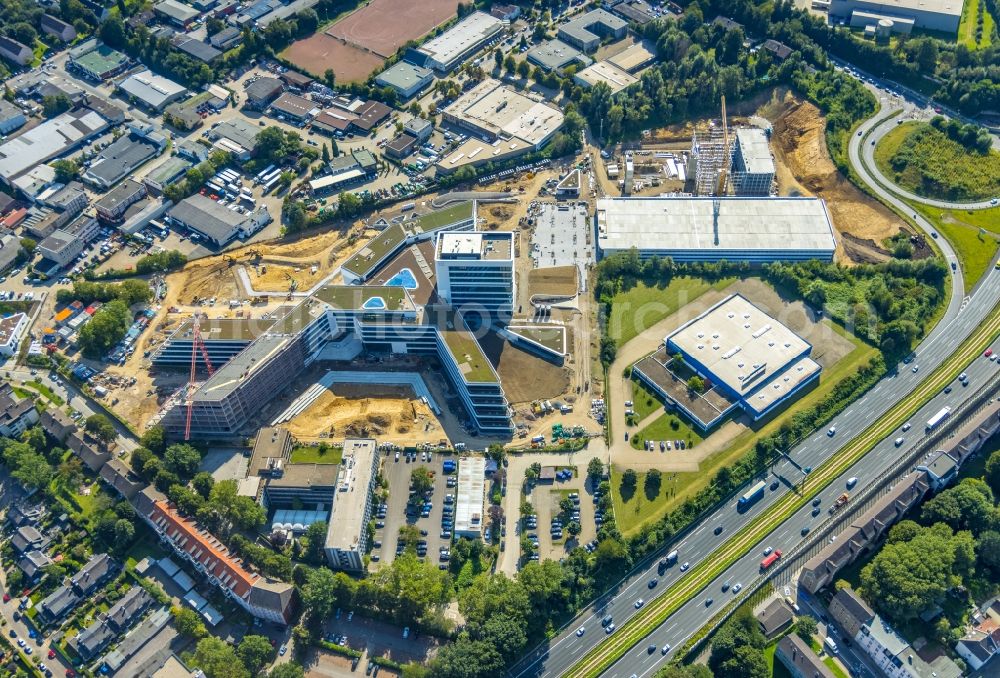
141	549
967	27
644	401
45	391
679	486
925	161
640	507
834	666
666	427
778	669
316	455
638	309
964	230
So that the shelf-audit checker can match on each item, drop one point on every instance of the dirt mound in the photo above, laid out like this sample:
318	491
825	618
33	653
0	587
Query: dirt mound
558	281
804	167
365	410
524	376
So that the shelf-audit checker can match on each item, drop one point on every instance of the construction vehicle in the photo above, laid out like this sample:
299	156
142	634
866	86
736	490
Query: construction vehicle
841	500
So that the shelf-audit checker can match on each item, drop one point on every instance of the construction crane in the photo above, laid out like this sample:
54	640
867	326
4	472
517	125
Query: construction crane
724	172
197	343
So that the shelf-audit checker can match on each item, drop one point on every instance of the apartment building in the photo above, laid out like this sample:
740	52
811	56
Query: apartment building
347	532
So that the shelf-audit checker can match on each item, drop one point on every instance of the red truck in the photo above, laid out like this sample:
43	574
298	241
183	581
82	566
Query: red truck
770	560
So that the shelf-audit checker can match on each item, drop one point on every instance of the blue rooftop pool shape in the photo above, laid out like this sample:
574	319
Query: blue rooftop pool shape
404	278
374	303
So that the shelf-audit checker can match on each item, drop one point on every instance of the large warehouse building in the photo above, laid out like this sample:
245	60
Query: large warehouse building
755	230
450	48
746	358
935	15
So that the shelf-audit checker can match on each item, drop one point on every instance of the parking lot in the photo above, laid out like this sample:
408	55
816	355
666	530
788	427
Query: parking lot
554	544
561	236
400	511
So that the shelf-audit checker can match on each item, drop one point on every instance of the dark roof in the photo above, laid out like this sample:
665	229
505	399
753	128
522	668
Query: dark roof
11	408
404	143
118	475
854	606
271	595
795	651
126	154
52	23
225	36
125	612
27	538
726	23
296	79
93	573
780	50
59	602
32	562
201	51
92	639
11	45
264	89
208	217
123	192
371	114
774	617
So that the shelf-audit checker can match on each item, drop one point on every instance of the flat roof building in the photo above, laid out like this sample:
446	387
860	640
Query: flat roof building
633	58
176	12
746	358
755	230
470	497
406	78
606	72
496	112
217	223
119	159
937	15
151	90
447	50
475	271
347	534
753	165
48	140
554	55
294	106
97	61
587	31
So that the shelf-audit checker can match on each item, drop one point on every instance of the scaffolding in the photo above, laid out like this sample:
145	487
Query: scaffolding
711	152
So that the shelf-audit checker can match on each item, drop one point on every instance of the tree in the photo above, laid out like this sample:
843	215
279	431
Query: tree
66	170
287	670
806	627
988	552
54	104
23	32
182	459
319	594
966	506
653	480
629	478
696	384
113	32
203	483
523	69
296	216
927	55
225	509
509	64
992	474
70	472
496	452
739	639
526	508
330	78
154	439
574	528
467	659
105	329
325	154
256	652
218	659
101	428
188	622
746	662
124	533
498	58
421	480
32	470
595	470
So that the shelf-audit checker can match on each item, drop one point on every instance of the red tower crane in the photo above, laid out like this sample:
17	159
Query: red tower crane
197	343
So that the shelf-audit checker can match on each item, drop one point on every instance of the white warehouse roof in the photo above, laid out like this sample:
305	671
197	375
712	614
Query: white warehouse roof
469	504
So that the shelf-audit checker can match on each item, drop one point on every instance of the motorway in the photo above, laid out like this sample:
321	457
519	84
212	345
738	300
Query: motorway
962	318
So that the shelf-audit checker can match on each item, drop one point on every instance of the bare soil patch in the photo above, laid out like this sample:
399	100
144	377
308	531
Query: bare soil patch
523	376
559	281
320	51
383	26
804	167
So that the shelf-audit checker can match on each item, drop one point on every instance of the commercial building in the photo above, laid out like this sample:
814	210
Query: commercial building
177	12
555	55
218	224
277	483
152	91
265	599
10	248
475	272
112	207
753	165
11	330
167	172
746	359
470	498
606	72
347	533
419	128
11	117
586	32
495	112
799	659
262	91
119	159
633	58
48	140
236	136
97	61
196	49
755	230
638	11
289	105
344	170
227	38
453	46
935	15
223	339
406	78
65	244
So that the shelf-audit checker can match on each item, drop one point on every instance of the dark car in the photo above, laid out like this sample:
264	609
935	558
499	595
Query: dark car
651	649
718	530
607	620
774	485
652	583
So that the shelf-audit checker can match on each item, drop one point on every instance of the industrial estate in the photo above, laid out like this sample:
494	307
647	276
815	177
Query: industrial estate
523	339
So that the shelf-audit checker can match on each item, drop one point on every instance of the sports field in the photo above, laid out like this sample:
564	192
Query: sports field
358	44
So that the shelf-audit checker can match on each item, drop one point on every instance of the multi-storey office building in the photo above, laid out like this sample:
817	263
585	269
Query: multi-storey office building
475	271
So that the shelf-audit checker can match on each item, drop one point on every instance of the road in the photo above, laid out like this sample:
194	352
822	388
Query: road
962	317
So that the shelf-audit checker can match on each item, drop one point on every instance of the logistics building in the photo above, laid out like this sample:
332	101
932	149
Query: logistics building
218	224
753	166
347	532
746	359
905	15
453	46
151	90
470	498
587	31
554	55
755	230
406	78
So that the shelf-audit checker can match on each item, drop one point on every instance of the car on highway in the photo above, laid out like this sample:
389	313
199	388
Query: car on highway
907	426
685	567
639	603
725	586
651	649
768	551
580	631
652	583
609	629
831	431
817	501
666	649
815	511
805	530
607	620
737	588
709	601
774	485
718	530
915	368
852	481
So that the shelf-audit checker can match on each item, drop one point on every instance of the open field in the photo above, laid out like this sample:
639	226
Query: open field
970	19
666	427
320	51
351	410
639	308
383	26
925	161
976	250
804	167
556	281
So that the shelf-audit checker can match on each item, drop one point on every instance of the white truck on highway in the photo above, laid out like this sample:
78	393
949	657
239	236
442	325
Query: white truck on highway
940	416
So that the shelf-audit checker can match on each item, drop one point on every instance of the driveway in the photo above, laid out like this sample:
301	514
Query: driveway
7	610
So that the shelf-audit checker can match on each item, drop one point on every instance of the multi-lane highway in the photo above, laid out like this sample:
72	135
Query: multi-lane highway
964	316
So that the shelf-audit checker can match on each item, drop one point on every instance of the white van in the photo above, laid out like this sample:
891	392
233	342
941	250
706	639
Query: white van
831	645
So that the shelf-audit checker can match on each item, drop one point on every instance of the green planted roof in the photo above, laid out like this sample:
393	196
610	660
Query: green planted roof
443	217
372	254
354	297
472	362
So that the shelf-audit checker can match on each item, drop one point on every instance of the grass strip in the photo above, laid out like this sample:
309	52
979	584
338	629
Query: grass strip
657	611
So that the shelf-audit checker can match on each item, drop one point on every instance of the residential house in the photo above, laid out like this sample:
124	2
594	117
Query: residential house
774	618
779	50
57	604
122	480
977	648
16	414
20	513
90	452
799	658
98	569
33	563
57	28
14	51
57	424
119	618
850	611
28	538
12	328
10	249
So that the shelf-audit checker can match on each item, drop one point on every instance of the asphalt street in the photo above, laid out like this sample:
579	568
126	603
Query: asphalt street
963	316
